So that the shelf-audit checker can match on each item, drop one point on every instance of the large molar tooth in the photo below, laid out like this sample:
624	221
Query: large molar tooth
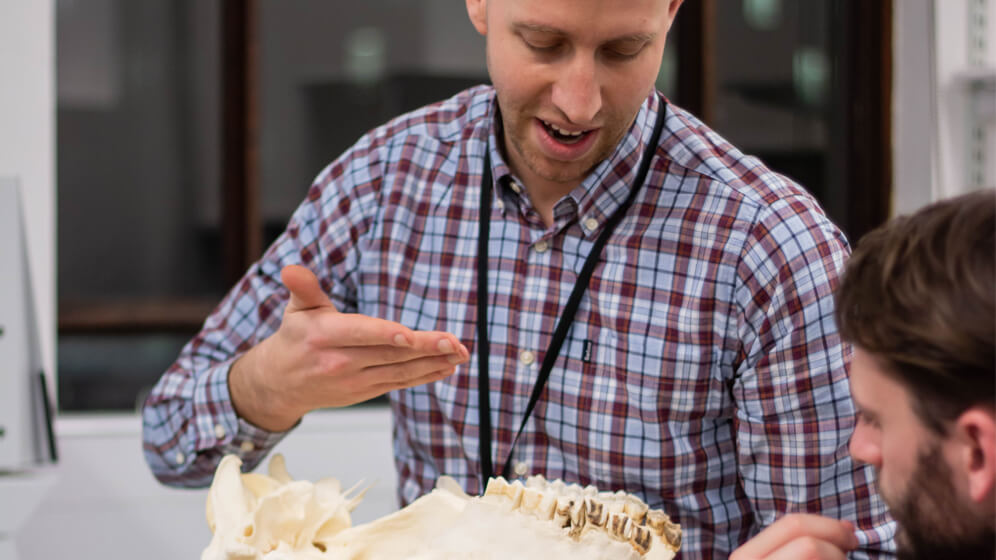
619	526
672	534
537	481
614	505
546	507
562	511
514	493
558	487
579	518
657	520
531	498
595	512
496	486
636	509
640	539
660	523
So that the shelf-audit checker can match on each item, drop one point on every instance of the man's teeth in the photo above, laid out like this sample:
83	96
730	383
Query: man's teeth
561	131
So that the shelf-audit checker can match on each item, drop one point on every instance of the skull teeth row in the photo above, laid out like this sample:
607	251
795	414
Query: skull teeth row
622	516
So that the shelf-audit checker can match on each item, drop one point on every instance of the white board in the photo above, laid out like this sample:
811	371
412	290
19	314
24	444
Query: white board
24	426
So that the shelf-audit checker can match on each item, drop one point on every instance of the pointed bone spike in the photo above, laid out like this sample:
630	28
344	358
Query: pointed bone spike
278	469
640	539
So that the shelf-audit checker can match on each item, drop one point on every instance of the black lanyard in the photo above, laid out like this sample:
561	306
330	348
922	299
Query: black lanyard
566	319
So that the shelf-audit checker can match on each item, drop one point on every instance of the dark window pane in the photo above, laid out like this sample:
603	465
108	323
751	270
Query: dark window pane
112	372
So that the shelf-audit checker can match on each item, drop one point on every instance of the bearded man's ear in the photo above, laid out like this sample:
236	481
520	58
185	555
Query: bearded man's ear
975	434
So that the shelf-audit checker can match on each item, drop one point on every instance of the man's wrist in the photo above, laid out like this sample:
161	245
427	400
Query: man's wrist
250	399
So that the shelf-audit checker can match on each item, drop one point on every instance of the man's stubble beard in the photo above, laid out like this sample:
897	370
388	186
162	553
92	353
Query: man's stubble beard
933	523
549	170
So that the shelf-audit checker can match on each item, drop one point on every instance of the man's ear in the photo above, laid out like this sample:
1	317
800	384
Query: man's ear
975	430
672	9
478	12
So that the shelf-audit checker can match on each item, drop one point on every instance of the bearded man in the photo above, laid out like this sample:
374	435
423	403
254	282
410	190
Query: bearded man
917	302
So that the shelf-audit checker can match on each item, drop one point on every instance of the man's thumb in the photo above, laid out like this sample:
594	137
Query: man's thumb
305	291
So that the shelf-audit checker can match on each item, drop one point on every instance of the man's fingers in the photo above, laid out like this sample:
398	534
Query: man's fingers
839	534
366	357
430	377
353	330
808	548
305	291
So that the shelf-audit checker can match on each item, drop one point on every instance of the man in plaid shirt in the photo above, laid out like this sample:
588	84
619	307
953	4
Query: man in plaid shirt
702	371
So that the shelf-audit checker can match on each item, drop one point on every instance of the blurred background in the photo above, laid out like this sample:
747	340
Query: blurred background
161	145
189	130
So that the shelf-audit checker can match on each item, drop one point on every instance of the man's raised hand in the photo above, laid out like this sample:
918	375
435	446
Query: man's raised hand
322	358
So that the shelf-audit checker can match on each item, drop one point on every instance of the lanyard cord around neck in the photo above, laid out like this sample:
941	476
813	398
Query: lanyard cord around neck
566	319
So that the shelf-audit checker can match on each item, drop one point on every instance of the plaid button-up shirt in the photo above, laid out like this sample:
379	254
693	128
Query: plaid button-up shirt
703	372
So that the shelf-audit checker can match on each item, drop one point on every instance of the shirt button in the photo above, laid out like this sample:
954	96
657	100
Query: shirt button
179	458
521	468
247	447
515	186
541	246
590	224
219	431
527	357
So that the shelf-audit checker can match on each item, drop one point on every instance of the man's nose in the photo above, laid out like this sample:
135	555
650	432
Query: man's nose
577	91
864	447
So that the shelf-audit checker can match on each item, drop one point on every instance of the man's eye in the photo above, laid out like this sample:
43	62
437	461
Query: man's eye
624	51
542	46
621	55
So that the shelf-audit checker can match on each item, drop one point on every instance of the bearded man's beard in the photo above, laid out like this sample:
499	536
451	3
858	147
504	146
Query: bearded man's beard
933	522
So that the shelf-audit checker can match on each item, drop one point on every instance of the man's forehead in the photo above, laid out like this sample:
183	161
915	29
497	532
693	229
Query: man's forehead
559	15
537	27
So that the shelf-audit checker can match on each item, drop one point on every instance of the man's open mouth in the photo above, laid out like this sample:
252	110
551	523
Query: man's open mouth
564	136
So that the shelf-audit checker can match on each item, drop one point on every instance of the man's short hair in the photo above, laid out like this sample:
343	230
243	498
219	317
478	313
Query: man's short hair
918	295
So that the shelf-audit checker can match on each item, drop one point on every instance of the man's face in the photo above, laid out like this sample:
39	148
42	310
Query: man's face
914	476
570	77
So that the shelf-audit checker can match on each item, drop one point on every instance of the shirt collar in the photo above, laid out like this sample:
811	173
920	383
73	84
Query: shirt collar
603	190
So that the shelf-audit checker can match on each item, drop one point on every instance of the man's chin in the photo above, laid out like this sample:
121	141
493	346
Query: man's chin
933	522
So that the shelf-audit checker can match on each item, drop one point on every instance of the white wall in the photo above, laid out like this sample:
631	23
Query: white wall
932	117
27	142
